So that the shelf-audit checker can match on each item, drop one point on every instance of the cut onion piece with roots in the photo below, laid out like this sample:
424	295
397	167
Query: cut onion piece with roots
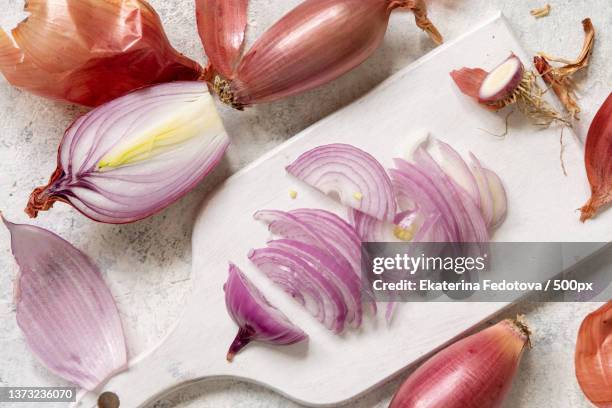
64	309
353	175
502	81
475	372
132	157
257	319
507	84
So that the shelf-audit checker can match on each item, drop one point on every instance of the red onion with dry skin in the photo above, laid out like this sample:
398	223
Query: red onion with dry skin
594	356
313	44
475	372
598	161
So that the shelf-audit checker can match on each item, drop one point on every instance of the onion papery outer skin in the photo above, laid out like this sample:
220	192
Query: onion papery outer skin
475	372
315	43
257	319
137	154
598	161
353	174
64	309
594	356
90	51
221	25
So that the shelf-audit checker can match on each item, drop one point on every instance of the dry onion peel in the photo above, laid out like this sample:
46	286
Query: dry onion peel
221	25
560	78
598	161
313	44
475	372
509	83
64	309
257	319
352	175
89	52
541	12
594	356
137	154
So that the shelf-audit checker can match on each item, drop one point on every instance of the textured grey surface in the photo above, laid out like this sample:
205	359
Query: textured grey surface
147	264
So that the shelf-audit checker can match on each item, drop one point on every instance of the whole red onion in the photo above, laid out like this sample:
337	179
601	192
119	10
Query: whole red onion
313	44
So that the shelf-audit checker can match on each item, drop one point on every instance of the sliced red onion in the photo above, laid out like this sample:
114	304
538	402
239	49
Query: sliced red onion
256	318
64	309
354	176
315	289
445	201
501	82
137	154
335	237
334	269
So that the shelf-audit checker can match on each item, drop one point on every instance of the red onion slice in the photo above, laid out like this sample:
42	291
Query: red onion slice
134	156
256	318
357	178
316	290
335	270
64	308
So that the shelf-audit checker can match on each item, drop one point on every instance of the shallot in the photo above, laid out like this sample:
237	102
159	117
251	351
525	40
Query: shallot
64	309
594	356
475	372
137	154
256	318
313	44
598	161
89	52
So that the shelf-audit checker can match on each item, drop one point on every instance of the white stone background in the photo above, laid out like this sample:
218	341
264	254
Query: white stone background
147	264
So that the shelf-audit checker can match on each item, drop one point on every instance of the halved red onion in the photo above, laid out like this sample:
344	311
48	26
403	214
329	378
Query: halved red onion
64	309
357	178
501	81
137	154
257	319
315	289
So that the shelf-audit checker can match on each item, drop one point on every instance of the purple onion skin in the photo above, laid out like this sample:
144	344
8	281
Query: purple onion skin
256	318
475	372
315	43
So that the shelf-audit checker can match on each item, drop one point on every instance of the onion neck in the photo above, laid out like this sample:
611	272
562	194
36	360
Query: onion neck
41	198
520	327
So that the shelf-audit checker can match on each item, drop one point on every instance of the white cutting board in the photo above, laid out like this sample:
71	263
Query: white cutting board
330	369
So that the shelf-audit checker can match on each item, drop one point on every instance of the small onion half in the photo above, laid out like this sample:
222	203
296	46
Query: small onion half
353	175
133	156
